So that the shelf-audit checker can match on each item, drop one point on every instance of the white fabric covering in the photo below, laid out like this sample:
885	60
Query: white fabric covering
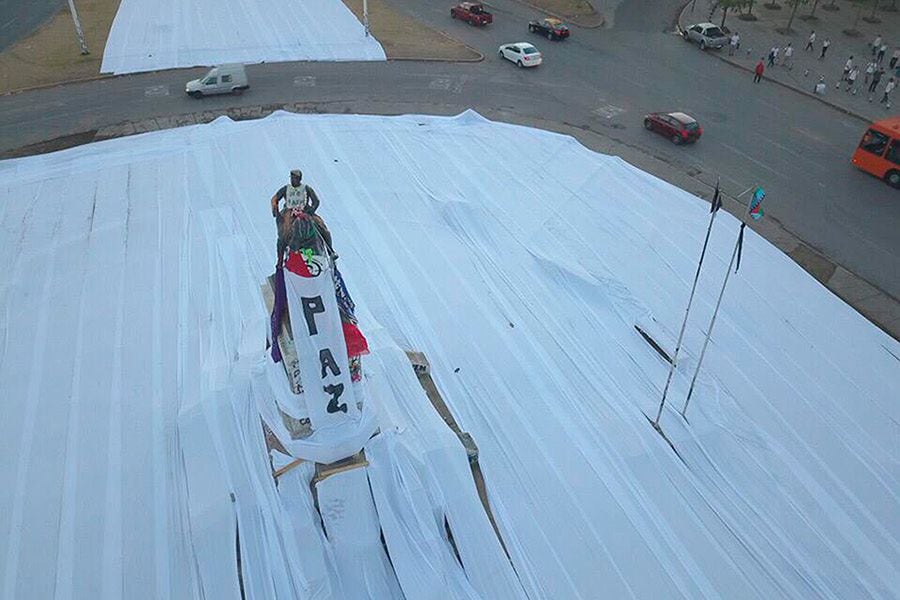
149	35
133	298
351	523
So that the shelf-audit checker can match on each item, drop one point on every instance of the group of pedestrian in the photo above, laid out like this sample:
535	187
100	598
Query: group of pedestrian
786	55
811	44
879	49
874	73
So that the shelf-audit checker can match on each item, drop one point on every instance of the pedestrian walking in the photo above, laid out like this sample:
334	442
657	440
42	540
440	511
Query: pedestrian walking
882	50
788	56
811	40
870	70
895	57
825	44
847	66
851	80
758	72
773	56
734	43
876	44
886	98
876	79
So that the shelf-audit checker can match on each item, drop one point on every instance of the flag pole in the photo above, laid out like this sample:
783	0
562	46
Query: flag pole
712	322
366	16
755	211
79	32
716	204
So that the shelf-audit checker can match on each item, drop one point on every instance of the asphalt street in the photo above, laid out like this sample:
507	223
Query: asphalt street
18	18
605	80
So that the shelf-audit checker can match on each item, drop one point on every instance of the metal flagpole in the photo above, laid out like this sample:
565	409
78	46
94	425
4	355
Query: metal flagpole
78	31
366	16
755	210
712	322
716	204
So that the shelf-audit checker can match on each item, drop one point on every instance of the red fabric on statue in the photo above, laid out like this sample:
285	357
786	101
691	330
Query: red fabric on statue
295	264
356	341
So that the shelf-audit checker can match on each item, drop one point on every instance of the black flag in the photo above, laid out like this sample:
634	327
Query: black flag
740	246
717	200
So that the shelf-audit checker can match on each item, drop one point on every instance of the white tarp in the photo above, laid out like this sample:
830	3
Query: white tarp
348	514
135	290
150	35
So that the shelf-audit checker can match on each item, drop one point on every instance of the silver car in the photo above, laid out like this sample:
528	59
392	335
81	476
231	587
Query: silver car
706	35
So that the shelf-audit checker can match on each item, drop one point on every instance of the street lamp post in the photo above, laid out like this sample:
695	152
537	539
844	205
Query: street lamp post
78	31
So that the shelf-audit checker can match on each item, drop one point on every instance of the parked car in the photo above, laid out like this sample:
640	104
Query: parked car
552	29
677	126
706	35
224	79
472	13
521	53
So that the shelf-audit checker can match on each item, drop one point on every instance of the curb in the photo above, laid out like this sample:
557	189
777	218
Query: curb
788	86
100	77
44	86
571	20
478	58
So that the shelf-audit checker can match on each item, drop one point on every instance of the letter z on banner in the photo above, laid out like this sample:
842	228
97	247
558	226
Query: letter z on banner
321	349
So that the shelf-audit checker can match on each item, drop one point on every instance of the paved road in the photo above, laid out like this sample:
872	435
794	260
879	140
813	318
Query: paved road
18	18
604	80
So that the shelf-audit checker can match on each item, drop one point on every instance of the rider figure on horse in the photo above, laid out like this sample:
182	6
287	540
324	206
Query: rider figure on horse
300	202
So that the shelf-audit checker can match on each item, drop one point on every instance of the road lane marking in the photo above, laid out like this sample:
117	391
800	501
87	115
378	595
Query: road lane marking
750	158
454	85
305	81
608	111
155	91
808	134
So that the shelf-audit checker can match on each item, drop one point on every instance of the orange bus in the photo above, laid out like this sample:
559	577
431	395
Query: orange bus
879	151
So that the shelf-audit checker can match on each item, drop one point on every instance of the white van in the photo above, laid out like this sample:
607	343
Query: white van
224	79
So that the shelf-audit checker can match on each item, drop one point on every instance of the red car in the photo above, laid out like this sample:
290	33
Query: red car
677	126
552	29
472	13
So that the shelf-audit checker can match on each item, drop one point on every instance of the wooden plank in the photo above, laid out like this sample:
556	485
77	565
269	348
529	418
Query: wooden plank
356	461
434	396
279	472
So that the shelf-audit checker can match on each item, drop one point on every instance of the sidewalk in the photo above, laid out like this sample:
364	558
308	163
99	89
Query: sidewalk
757	37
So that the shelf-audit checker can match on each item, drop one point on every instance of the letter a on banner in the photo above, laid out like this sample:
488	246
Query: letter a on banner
321	350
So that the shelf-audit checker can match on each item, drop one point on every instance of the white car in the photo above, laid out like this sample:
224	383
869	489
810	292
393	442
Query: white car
521	53
224	79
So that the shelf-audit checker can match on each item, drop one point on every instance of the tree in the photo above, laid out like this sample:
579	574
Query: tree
872	18
859	6
812	13
727	5
794	4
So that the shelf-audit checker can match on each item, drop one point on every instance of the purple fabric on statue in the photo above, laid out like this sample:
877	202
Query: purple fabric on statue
280	305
